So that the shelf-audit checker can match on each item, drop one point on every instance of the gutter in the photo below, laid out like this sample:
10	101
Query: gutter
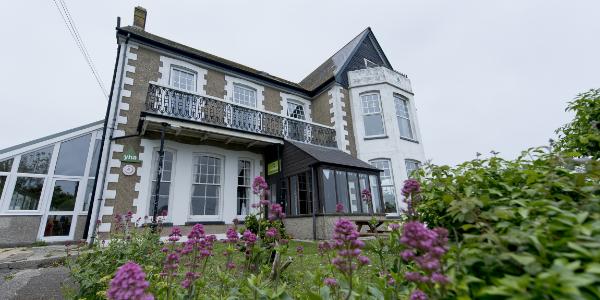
104	133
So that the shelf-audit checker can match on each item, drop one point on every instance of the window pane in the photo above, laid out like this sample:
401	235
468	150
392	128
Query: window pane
244	95
36	162
6	165
370	104
165	185
27	193
163	198
342	189
353	190
411	166
2	184
304	194
58	225
363	179
95	158
182	79
295	110
72	156
206	180
293	195
389	199
88	194
375	193
243	189
329	191
386	174
64	195
405	129
373	125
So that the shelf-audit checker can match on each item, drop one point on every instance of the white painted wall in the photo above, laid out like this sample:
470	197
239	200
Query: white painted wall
392	147
181	182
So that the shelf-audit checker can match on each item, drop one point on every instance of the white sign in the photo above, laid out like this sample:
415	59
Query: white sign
128	170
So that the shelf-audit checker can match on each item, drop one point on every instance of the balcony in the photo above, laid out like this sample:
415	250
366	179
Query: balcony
173	103
376	75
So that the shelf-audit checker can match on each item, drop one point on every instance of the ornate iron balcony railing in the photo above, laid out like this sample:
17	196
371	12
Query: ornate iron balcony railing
182	105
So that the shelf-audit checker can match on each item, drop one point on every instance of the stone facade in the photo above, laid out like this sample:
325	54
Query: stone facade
142	67
215	84
301	227
273	100
18	230
348	122
321	108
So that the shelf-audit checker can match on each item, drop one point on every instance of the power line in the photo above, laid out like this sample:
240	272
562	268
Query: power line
70	23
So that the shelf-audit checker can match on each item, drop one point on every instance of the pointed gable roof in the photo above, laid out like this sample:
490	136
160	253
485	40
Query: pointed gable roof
338	62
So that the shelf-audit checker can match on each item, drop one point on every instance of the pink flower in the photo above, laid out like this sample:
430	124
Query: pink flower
366	195
249	237
259	185
364	260
394	226
271	232
439	278
411	186
332	282
175	234
418	295
129	283
232	236
339	208
276	212
299	250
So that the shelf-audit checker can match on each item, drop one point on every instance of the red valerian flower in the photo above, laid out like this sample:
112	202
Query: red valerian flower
129	283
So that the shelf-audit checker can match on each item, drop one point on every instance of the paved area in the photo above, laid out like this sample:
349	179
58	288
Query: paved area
40	283
33	273
31	257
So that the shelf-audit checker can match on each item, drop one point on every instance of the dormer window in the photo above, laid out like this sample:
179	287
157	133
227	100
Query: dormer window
370	64
244	95
295	110
183	79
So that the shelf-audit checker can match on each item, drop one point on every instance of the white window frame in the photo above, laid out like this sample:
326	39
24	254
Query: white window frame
297	104
380	113
150	203
165	74
286	98
231	81
221	202
404	101
247	89
184	70
375	162
249	186
373	65
407	161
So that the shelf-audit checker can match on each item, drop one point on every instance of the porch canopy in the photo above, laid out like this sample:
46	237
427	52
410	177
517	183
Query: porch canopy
314	179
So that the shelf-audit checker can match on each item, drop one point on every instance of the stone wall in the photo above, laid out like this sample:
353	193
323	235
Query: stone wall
215	84
321	108
18	230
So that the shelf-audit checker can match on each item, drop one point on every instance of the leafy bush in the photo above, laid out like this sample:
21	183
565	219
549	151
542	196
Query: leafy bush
522	229
582	135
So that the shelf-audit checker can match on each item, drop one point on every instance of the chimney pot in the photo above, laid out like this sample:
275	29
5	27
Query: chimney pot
139	17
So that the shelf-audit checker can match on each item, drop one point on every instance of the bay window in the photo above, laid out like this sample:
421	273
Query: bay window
372	115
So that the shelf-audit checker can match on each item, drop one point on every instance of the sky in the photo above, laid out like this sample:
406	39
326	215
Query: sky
487	75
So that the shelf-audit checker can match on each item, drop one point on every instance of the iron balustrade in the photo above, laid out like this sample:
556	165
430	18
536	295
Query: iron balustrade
179	104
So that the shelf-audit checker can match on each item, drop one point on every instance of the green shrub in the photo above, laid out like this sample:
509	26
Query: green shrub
522	229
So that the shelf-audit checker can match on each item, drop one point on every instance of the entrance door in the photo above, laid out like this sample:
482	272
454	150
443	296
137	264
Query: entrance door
59	219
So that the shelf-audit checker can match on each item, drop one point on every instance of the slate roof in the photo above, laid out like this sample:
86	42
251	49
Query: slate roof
309	85
332	156
332	65
49	137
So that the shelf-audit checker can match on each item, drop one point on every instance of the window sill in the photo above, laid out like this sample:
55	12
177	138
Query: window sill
189	223
409	140
375	137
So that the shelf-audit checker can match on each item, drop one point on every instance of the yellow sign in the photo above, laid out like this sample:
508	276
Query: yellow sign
273	168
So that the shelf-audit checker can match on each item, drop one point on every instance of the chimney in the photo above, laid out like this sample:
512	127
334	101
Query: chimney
139	17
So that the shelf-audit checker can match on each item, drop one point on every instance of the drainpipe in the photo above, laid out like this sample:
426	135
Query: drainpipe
104	132
161	156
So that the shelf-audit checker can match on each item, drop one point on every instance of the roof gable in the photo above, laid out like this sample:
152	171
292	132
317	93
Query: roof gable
348	58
